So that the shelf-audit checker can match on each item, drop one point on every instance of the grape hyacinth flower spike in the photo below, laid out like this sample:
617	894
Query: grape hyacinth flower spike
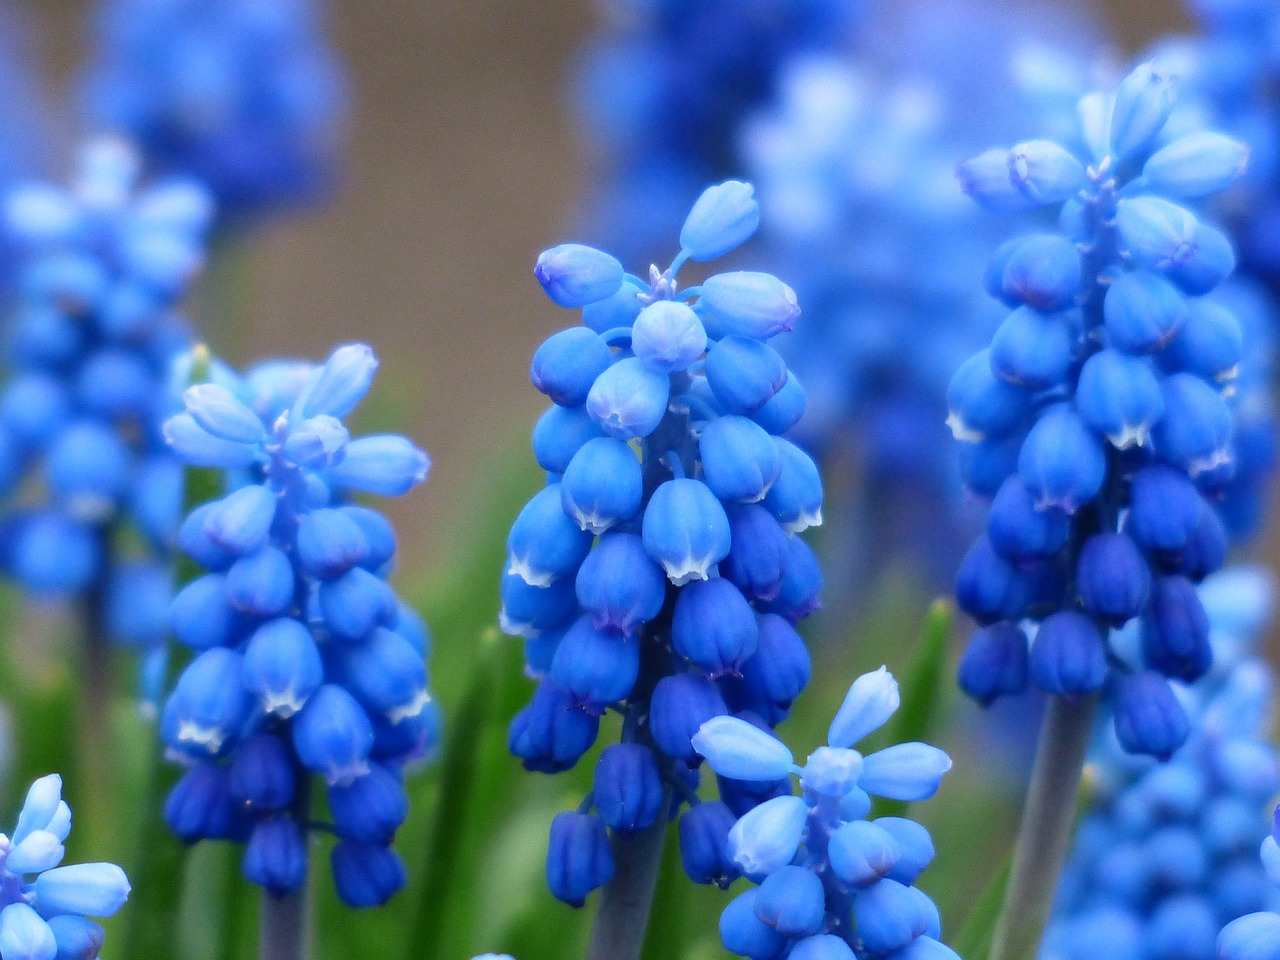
307	663
1102	439
659	574
832	884
1256	936
45	908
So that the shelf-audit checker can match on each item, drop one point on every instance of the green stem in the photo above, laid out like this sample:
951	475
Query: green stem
625	902
94	786
1045	833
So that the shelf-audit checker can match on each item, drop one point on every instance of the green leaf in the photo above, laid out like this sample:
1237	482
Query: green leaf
975	938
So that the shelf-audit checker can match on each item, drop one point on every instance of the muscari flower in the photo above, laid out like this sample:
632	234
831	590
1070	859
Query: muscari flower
306	662
45	908
659	573
832	884
1100	439
246	96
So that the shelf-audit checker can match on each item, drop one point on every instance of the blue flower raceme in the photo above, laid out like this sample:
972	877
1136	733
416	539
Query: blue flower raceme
244	95
306	662
1167	853
1097	420
660	573
45	908
832	884
102	267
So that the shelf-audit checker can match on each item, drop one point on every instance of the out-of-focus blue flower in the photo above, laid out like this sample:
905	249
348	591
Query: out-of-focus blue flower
44	907
245	95
660	572
1104	437
306	662
830	881
1168	852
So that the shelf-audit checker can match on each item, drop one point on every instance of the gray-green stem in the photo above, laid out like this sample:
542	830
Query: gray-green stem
283	931
1047	821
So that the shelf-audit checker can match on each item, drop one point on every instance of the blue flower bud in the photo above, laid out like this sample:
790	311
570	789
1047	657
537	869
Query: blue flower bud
989	587
628	789
1195	431
240	522
1112	578
685	530
713	627
618	310
780	668
748	304
602	485
386	464
1068	657
862	853
1119	396
795	498
1175	636
200	807
824	946
379	537
282	666
723	217
995	663
1044	172
594	667
1165	509
355	603
155	499
1196	165
197	544
276	857
888	916
261	584
870	701
412	738
559	434
744	374
744	933
330	542
196	447
1062	463
1155	232
1144	100
798	595
573	275
758	552
740	461
332	735
92	889
1018	530
914	843
629	399
366	875
784	409
222	414
985	464
619	585
544	543
981	404
704	844
766	839
549	735
668	336
78	938
317	443
529	611
742	751
986	178
116	383
1255	936
1204	553
579	858
1209	345
88	469
904	771
1176	858
1041	271
1148	717
24	935
831	772
201	615
371	808
208	705
1143	312
567	364
792	901
261	775
681	703
385	673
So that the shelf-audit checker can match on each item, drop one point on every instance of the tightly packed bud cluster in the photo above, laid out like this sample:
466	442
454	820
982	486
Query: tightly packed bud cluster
307	662
1168	853
1098	419
659	573
245	95
100	269
832	884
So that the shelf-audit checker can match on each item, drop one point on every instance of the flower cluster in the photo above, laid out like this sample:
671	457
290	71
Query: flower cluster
307	662
1167	853
44	908
659	572
244	95
832	884
1098	418
101	269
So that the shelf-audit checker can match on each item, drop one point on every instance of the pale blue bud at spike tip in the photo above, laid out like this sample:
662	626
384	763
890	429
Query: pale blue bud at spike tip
1200	163
1044	172
905	771
871	700
740	751
574	275
723	218
339	384
747	304
668	336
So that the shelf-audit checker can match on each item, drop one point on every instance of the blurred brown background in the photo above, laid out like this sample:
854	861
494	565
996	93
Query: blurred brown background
462	165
